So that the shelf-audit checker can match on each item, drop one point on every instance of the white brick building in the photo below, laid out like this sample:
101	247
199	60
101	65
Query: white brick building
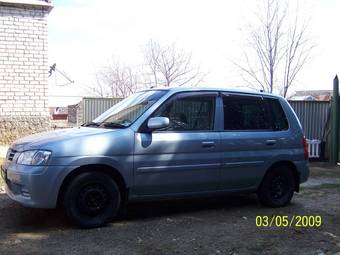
23	68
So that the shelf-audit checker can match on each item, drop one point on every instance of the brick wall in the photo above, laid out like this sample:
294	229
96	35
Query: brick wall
23	68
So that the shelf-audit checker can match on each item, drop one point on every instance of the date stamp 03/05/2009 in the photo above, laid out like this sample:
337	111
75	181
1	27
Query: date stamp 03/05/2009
285	221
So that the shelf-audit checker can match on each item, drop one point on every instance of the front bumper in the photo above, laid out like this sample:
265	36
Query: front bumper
31	186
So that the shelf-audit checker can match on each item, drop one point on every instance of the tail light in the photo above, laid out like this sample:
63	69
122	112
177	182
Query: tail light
305	148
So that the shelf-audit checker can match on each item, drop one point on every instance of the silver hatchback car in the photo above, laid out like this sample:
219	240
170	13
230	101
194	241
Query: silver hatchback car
162	144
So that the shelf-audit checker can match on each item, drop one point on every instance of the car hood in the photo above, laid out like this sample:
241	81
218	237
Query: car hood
40	140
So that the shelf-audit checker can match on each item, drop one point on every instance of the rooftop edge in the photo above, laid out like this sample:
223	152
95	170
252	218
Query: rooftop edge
45	5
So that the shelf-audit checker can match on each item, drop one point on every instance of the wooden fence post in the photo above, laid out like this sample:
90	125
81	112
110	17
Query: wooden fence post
334	155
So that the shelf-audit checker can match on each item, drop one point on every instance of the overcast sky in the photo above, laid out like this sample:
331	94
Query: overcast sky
84	35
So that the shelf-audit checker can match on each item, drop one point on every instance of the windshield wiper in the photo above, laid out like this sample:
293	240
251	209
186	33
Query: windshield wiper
112	125
103	124
90	124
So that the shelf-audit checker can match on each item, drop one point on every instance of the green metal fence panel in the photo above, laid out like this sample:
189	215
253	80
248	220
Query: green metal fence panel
93	107
313	116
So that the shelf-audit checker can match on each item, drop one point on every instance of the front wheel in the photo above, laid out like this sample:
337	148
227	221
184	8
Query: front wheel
92	199
277	187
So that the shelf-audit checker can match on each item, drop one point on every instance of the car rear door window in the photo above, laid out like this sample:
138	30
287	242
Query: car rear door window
245	113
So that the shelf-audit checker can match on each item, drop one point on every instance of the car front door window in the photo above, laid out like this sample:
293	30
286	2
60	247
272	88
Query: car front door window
189	113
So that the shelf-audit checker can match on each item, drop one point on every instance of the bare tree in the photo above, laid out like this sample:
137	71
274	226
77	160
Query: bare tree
116	80
165	66
297	52
278	48
169	66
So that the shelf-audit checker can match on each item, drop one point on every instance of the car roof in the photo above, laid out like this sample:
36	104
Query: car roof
217	89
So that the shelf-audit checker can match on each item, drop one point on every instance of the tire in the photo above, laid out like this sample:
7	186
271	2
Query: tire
92	199
277	187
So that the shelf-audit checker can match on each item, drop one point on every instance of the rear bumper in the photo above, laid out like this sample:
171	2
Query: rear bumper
303	170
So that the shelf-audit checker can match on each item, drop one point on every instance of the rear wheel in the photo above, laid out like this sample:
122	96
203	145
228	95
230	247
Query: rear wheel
277	188
92	199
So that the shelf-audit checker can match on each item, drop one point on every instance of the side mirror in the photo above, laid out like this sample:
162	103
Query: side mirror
158	122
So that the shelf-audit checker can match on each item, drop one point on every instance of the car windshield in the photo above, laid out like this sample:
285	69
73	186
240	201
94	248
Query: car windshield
128	110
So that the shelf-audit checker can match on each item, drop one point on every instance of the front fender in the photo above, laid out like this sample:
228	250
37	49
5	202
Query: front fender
123	164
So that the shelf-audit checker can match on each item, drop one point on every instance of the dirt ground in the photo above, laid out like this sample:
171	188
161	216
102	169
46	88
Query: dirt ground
223	225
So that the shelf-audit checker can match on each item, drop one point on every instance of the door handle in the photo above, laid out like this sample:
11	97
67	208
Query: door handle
208	144
270	142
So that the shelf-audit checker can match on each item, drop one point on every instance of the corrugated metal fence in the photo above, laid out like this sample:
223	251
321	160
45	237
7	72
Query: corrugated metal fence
93	107
313	115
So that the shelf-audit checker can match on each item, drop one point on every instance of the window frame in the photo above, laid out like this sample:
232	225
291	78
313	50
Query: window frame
143	128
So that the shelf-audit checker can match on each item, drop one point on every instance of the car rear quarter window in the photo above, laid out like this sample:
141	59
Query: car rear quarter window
245	113
278	116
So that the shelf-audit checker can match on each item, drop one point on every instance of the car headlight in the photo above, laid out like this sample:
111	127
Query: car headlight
33	157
